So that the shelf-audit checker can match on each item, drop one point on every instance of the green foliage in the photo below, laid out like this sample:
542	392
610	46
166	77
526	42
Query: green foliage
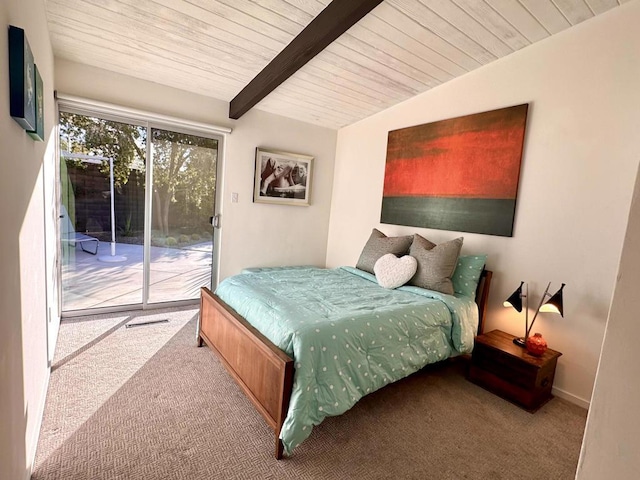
158	241
171	242
195	237
184	238
126	230
183	173
123	142
184	166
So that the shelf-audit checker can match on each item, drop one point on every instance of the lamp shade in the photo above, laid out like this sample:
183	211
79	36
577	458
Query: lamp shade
554	304
515	300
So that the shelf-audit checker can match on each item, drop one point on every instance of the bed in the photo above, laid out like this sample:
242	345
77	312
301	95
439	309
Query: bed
305	343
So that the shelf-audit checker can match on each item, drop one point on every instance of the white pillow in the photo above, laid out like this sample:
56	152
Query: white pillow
393	272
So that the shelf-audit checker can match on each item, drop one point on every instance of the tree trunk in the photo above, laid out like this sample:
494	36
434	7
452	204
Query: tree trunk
161	207
165	211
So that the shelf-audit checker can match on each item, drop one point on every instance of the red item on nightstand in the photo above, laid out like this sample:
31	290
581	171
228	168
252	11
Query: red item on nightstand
536	345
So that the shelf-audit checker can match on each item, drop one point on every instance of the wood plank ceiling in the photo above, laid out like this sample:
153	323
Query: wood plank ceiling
216	47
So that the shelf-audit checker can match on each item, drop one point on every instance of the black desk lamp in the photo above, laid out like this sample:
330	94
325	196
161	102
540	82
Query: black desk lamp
554	305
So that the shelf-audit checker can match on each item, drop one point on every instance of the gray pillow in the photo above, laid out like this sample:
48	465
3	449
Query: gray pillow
378	245
436	263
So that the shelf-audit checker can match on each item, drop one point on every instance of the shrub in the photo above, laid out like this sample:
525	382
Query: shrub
184	238
171	242
195	237
158	241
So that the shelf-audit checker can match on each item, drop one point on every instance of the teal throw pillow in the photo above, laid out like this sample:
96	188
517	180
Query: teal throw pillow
467	273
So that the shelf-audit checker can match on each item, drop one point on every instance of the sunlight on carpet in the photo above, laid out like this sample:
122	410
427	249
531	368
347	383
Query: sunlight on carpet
89	345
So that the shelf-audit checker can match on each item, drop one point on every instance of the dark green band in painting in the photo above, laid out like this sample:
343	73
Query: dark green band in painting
474	215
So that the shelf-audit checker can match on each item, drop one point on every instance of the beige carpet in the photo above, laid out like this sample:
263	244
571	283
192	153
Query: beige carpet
146	403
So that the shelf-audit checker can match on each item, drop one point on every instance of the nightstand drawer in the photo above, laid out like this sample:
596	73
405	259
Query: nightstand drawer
509	371
510	368
529	399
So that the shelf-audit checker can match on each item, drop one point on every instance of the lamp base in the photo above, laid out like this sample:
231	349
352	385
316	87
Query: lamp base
520	341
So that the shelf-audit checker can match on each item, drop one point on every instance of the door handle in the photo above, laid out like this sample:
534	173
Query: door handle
215	221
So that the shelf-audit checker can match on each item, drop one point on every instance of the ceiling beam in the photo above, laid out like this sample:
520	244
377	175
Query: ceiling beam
333	21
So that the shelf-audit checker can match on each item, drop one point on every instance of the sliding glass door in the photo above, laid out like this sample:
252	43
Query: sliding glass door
184	180
134	213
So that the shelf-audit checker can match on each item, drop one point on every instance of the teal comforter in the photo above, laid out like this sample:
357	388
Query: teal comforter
347	335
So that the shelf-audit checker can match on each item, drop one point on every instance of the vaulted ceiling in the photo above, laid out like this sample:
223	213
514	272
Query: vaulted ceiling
216	47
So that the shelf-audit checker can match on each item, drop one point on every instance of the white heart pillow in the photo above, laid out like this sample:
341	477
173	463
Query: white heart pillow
393	272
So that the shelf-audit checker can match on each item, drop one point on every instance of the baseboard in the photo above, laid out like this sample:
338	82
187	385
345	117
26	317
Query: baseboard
32	460
581	402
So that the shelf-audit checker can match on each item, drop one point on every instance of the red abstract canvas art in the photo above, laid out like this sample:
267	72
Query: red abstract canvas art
459	174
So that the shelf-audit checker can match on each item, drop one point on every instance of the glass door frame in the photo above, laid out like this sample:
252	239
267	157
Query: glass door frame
165	123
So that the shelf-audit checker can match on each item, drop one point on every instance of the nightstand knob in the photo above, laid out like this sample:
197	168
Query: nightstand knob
545	382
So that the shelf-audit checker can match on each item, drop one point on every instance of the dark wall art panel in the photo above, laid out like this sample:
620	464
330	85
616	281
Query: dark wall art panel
22	82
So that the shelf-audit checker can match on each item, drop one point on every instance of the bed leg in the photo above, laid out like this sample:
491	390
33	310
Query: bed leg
279	448
199	342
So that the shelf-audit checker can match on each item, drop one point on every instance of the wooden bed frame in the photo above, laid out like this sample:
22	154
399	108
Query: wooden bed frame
261	369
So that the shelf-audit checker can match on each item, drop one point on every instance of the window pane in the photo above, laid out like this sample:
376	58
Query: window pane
102	175
184	179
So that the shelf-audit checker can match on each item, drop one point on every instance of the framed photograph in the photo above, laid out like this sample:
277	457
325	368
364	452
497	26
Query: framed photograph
282	177
22	82
38	132
460	174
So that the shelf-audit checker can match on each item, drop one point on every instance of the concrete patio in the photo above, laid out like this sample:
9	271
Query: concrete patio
175	274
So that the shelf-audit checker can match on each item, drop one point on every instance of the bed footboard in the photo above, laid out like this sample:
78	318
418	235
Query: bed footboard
261	369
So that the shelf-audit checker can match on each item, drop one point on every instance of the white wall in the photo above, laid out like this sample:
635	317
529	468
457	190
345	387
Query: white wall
579	163
23	322
252	234
611	440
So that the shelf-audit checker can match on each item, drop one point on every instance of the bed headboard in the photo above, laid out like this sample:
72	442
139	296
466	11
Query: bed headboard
482	297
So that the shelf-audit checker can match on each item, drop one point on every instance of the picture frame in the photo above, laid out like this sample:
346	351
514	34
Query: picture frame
282	178
38	132
22	80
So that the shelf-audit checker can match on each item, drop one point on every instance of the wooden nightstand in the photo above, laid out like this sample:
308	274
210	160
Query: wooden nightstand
506	369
